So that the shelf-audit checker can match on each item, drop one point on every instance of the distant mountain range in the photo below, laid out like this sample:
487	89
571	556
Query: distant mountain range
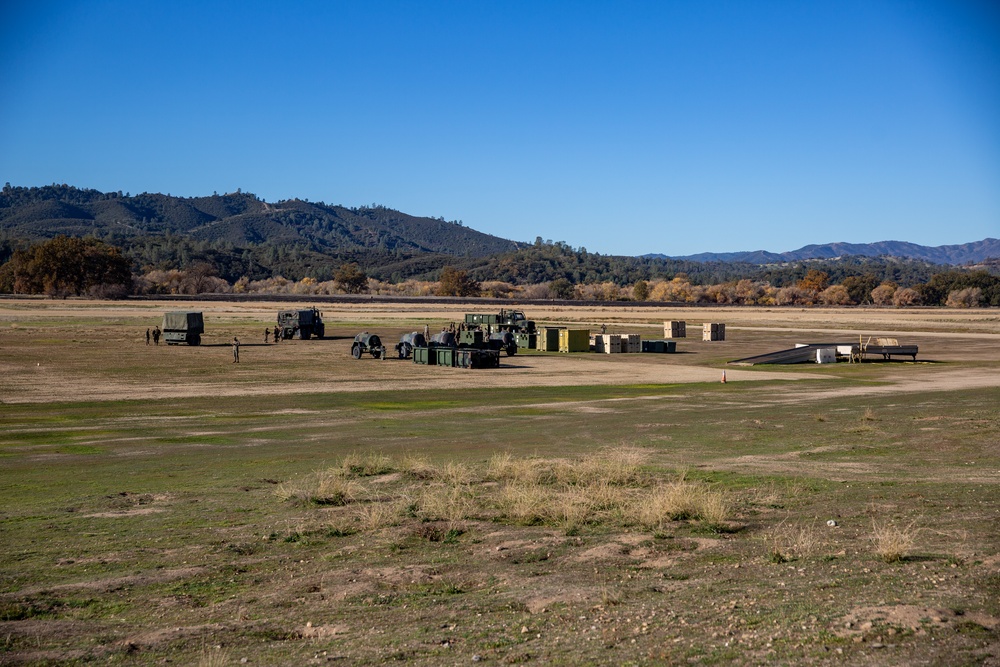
965	253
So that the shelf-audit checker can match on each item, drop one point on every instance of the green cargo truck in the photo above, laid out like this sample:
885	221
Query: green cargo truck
506	320
183	327
301	324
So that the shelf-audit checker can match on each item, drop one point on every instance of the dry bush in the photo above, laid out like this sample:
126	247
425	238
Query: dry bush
456	474
680	501
326	487
970	297
527	504
367	464
417	467
449	503
906	296
786	543
892	543
616	465
869	415
378	514
572	506
503	467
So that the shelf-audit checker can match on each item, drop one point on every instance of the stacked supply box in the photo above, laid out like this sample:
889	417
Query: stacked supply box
713	331
675	329
574	340
632	343
608	343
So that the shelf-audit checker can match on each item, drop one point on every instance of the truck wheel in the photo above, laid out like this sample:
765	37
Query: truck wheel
404	351
356	351
194	339
511	350
377	354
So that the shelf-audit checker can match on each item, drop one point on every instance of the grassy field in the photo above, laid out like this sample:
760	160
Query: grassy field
841	515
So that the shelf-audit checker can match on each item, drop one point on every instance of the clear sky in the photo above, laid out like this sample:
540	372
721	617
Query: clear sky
623	127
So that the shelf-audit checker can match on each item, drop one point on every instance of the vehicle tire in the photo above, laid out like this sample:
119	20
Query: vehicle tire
377	354
511	350
404	351
356	351
194	339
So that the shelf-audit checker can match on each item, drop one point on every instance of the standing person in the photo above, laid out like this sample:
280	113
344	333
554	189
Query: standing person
277	335
236	350
156	335
267	334
427	331
147	336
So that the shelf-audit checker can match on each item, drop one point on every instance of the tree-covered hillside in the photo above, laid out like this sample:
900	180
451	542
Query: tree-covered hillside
239	236
238	233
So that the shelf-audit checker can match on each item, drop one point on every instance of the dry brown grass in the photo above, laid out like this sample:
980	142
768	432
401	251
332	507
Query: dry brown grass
417	467
449	503
367	464
679	501
526	504
893	543
785	542
214	657
379	514
324	487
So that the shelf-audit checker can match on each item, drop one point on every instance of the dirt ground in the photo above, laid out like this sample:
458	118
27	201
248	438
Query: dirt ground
57	357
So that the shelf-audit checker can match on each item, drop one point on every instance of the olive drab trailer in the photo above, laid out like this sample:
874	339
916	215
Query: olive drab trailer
301	324
409	341
183	327
367	342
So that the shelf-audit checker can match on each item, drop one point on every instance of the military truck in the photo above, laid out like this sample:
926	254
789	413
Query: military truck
506	320
183	327
301	324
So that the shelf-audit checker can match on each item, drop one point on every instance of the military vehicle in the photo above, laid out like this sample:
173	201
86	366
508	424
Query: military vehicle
367	342
180	326
506	320
301	324
408	341
480	340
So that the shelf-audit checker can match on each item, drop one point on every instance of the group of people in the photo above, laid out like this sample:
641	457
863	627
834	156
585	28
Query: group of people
155	335
277	335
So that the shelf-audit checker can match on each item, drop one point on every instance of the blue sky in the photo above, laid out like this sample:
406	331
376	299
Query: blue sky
622	127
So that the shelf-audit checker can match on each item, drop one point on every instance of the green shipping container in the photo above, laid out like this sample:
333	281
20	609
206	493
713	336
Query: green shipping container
444	356
424	355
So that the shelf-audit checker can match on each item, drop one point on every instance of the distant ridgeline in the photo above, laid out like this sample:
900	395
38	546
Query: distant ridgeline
240	235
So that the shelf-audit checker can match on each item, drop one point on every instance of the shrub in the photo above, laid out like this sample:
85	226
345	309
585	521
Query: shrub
892	543
366	465
970	297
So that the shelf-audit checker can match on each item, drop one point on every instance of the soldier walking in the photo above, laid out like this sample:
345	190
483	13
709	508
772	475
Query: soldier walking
147	336
277	335
156	335
267	334
236	350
